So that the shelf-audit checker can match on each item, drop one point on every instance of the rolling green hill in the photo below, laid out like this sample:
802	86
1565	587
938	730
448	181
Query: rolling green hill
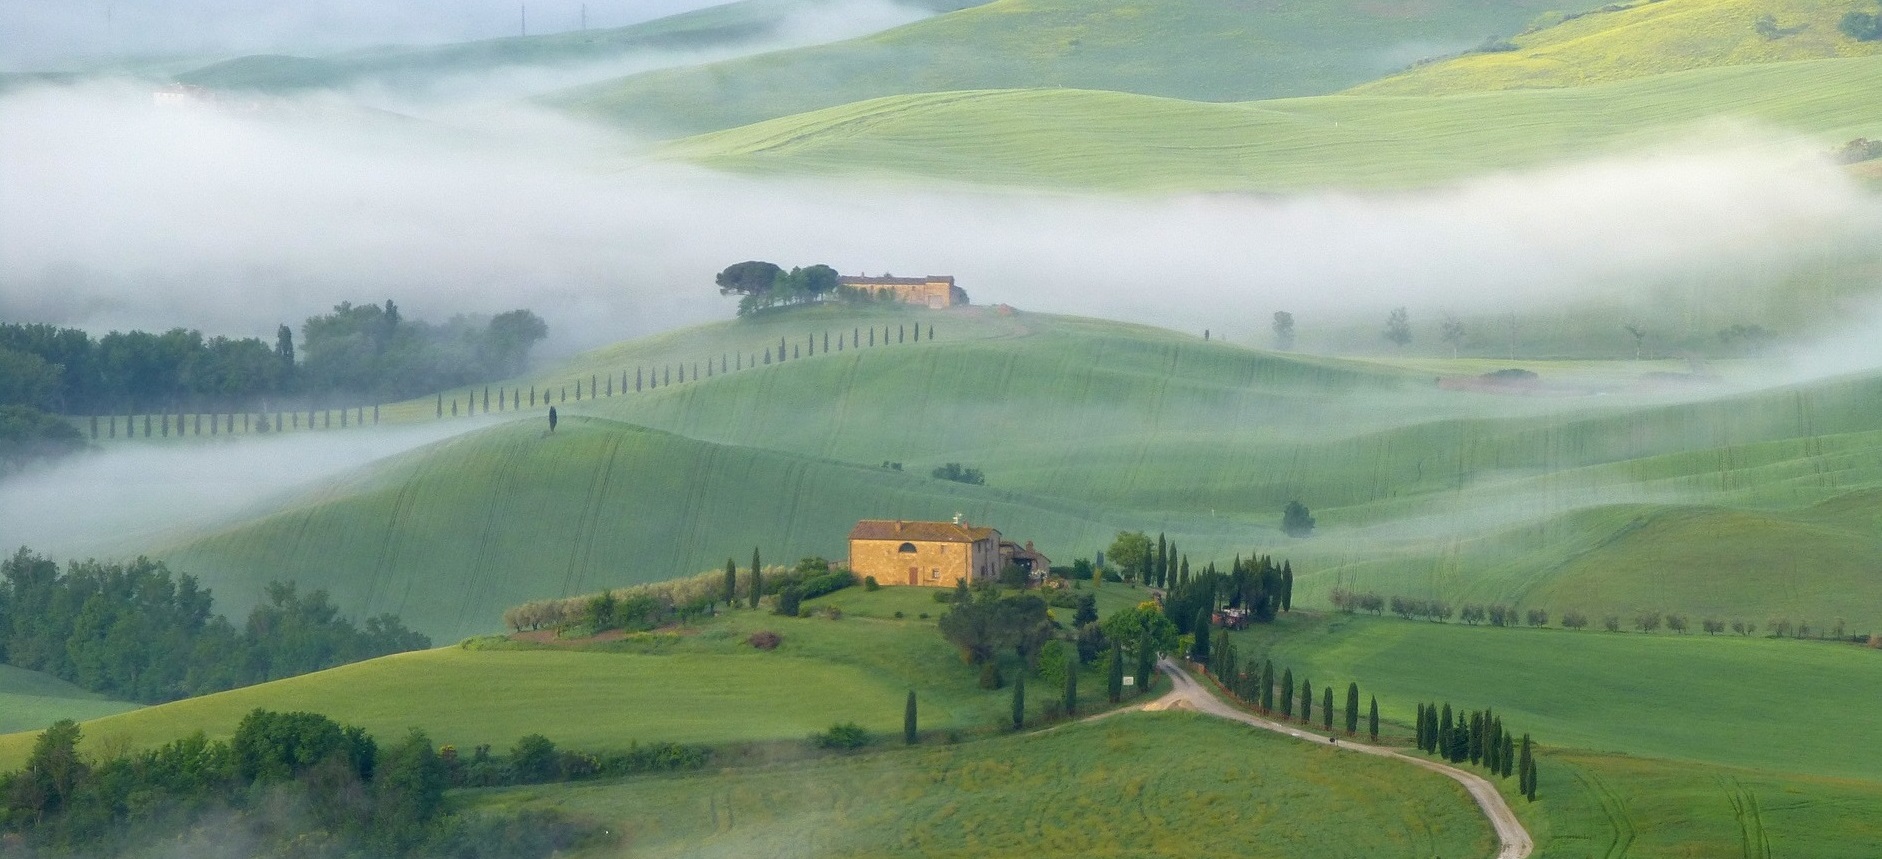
1118	141
1641	39
1151	784
30	701
711	27
1642	499
1195	49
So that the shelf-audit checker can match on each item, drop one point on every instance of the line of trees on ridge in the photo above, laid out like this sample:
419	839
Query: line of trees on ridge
1497	614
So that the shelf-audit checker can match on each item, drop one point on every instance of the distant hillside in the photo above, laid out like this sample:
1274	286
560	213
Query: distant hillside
1211	50
1640	38
714	26
1109	140
30	701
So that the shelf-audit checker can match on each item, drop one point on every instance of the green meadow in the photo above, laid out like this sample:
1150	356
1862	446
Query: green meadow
1193	49
1073	138
1164	784
1802	707
699	684
1729	500
1630	40
30	700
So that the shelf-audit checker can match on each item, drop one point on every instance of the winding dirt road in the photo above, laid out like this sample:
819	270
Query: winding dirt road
1188	694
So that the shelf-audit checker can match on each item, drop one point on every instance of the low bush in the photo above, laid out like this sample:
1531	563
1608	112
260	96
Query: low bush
845	736
765	640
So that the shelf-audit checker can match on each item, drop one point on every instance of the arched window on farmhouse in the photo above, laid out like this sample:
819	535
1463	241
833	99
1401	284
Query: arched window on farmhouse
907	547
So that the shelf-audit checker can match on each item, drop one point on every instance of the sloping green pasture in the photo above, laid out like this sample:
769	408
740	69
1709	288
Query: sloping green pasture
1134	785
1119	141
30	700
701	684
1781	705
1197	49
1641	39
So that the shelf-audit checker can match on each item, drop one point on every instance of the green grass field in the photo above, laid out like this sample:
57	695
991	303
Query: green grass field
701	684
1211	51
30	700
1799	707
1641	39
1136	785
1682	500
1117	141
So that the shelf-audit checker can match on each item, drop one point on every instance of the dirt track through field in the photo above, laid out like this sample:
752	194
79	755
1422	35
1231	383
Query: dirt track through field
1190	695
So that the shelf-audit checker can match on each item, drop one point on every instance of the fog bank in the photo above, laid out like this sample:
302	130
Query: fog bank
118	214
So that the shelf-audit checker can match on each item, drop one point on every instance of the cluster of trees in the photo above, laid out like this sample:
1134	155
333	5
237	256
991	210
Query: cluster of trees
28	434
650	606
1274	696
296	784
363	352
138	632
1497	614
1477	738
1861	26
959	474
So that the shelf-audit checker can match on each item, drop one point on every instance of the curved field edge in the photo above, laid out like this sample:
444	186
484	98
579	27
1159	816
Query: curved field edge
1133	784
1117	141
30	700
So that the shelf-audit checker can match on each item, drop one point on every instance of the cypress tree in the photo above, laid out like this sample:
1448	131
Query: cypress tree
441	405
1526	781
1475	749
1287	585
1200	651
1287	694
1420	731
1267	686
1372	719
1306	701
1146	663
731	583
1444	733
1508	755
1163	560
1352	709
1115	688
931	331
908	720
1019	693
757	578
1326	707
1071	684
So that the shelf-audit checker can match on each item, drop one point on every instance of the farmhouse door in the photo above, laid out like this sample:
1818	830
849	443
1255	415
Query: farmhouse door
914	575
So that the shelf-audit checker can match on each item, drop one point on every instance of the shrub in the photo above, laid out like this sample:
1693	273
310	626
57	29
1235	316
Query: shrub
788	601
990	675
923	615
899	615
831	612
960	474
765	640
845	736
1861	26
870	584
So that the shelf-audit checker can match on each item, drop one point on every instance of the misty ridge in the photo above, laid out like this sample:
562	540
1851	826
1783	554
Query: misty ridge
119	214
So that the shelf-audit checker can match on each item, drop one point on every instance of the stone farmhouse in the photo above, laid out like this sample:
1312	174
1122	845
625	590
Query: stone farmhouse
935	554
934	291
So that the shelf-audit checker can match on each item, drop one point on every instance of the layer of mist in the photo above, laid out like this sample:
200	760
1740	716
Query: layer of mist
233	219
43	34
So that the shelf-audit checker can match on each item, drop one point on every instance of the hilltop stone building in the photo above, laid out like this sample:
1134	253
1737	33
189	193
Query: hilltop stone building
934	291
928	554
936	554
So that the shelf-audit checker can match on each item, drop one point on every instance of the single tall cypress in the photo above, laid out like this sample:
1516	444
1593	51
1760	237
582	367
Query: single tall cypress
1475	749
1287	694
1508	756
1071	684
1115	688
1326	707
1163	560
1419	731
757	578
1019	696
1306	701
1372	719
1287	585
1352	709
1146	663
731	583
1444	732
1200	651
1267	686
908	720
1526	781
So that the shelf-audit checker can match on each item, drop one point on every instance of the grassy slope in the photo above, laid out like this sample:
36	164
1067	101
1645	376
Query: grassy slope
1802	707
1201	49
710	27
1110	140
1647	38
1611	504
30	700
1136	785
648	688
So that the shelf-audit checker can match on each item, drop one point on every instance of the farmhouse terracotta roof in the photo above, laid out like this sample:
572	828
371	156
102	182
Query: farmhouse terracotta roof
933	532
865	280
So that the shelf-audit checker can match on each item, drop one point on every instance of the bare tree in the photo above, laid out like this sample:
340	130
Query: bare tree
1640	339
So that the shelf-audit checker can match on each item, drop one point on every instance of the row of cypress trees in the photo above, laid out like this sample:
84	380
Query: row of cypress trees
1260	689
1478	738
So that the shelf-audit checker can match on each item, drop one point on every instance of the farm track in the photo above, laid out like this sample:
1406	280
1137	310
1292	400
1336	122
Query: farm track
1513	838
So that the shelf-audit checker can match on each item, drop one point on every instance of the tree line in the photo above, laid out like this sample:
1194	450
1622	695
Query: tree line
138	632
1497	614
763	285
1477	738
300	784
356	353
650	606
